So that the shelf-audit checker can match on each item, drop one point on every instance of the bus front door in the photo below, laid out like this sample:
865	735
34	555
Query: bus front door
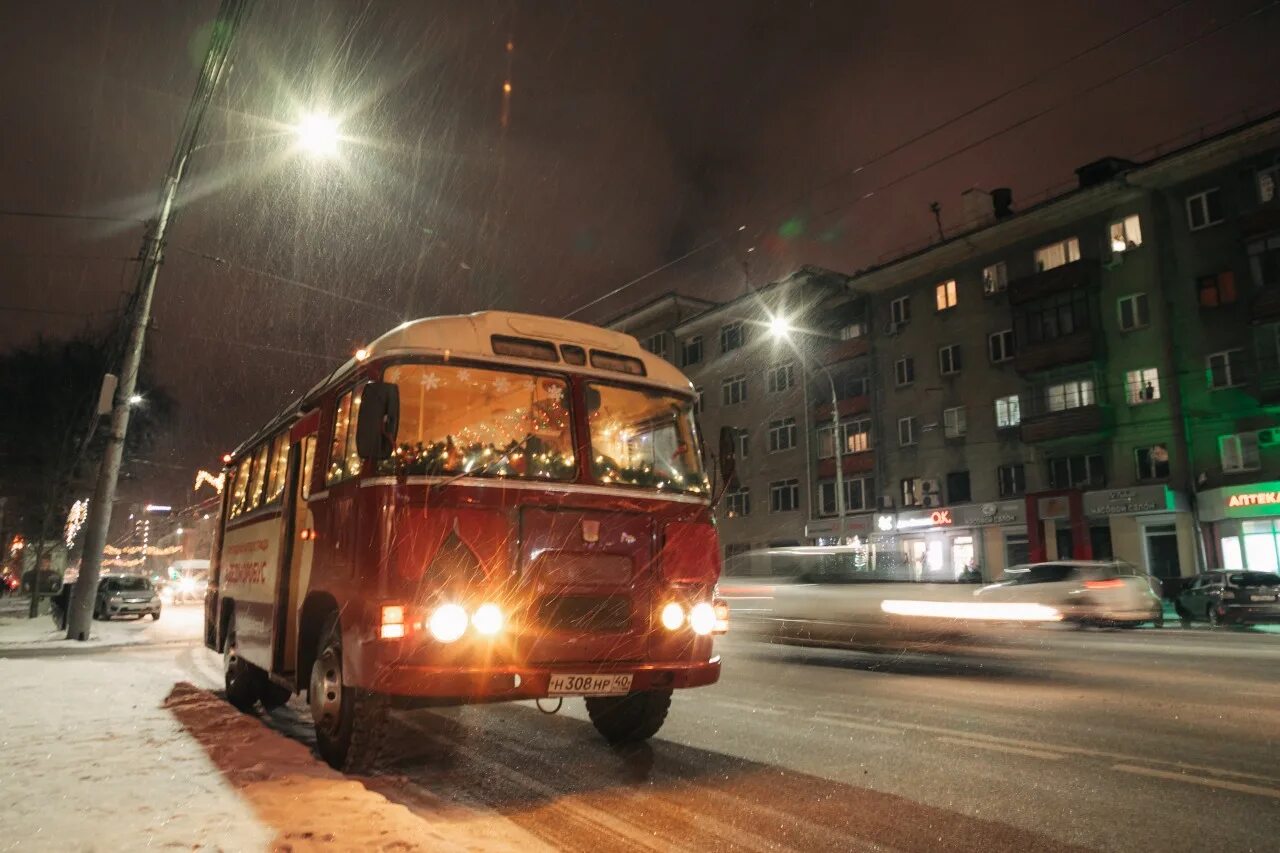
295	568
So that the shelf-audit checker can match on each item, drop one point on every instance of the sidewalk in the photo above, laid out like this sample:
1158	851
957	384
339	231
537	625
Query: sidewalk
177	623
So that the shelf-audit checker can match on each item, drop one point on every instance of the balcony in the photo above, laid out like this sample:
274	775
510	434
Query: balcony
1266	306
847	407
1075	348
1081	273
1068	422
844	351
1264	219
854	463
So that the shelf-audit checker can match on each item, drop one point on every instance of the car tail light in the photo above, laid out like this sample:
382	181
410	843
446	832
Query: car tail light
1112	583
392	627
690	552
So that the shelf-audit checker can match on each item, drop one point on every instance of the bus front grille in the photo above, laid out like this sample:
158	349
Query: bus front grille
594	613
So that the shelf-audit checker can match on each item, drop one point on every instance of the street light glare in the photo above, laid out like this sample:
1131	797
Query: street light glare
318	133
135	399
779	327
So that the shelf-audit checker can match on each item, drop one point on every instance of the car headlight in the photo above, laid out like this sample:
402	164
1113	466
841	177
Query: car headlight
487	619
702	618
115	599
672	616
448	622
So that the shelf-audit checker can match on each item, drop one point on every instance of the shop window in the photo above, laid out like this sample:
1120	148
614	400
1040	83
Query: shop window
1126	234
995	278
1017	549
1100	541
958	487
1204	209
1261	545
1152	462
1218	289
1142	386
1012	480
904	370
1057	254
1134	312
944	295
691	351
949	359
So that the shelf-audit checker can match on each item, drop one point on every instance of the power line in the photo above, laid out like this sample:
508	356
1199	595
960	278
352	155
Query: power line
87	217
267	348
1035	78
19	309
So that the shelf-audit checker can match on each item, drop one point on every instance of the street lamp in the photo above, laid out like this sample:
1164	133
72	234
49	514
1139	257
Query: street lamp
780	328
319	134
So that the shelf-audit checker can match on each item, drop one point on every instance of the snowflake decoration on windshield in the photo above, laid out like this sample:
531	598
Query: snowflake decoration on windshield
501	385
464	375
430	381
556	392
527	384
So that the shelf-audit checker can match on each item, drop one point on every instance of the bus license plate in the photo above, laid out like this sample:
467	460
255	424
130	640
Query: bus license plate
612	684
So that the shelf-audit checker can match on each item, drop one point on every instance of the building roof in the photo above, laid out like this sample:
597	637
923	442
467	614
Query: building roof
670	298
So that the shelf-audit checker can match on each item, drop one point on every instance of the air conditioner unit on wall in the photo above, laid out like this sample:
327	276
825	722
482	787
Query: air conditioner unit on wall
891	329
931	501
929	487
1268	437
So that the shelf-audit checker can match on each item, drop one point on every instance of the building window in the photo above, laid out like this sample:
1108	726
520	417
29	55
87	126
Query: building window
732	336
944	295
782	435
1008	412
1215	290
852	331
656	344
854	386
1071	472
958	487
1000	346
1152	462
1134	313
1239	452
1012	480
954	423
1204	209
858	495
780	378
733	390
1267	183
744	443
906	431
904	370
949	359
1264	261
1055	317
691	351
1069	395
1226	369
697	400
784	496
900	310
1142	386
857	438
911	491
995	278
737	503
1057	254
1126	234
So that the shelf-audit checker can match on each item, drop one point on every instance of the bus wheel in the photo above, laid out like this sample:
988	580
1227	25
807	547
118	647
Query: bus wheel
243	680
631	718
349	723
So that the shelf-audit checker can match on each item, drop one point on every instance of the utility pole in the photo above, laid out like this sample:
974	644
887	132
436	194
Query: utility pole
231	14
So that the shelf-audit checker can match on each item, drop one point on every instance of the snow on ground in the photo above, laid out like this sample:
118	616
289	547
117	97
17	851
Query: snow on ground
177	623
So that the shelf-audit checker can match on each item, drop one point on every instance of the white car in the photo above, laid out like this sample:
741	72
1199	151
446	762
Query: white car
1085	592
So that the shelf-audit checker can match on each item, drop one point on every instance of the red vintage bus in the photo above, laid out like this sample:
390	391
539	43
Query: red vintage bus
472	509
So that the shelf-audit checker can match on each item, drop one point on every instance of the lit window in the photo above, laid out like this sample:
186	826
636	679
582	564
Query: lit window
1008	412
1057	254
911	491
1134	313
1216	290
945	295
279	467
1069	395
954	422
1000	346
1267	179
1142	386
1126	234
1204	209
852	331
949	359
1152	462
995	278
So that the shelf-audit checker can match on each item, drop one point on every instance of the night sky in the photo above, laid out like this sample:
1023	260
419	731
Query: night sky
636	131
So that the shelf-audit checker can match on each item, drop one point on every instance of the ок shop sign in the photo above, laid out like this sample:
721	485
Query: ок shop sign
937	518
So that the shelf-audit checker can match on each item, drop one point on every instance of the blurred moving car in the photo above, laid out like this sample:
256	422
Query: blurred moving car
1223	597
1087	592
126	595
190	581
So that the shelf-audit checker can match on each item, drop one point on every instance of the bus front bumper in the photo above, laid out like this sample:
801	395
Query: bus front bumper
455	685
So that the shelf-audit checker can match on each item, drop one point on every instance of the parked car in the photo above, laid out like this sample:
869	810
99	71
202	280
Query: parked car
1086	592
1224	597
126	595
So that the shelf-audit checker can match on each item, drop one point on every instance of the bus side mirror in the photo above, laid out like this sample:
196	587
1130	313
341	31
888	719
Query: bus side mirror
728	455
379	419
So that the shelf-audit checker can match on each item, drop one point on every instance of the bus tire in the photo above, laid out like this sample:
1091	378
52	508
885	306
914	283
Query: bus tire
350	723
242	679
631	718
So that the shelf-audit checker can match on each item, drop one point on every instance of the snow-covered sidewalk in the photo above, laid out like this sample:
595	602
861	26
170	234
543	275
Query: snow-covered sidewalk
177	623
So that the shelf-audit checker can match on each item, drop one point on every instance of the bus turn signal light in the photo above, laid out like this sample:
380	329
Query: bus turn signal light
392	627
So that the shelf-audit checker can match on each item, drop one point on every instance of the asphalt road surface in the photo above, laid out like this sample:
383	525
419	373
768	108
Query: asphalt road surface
1125	740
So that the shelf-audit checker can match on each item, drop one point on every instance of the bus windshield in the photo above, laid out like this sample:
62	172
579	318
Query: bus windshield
644	438
481	422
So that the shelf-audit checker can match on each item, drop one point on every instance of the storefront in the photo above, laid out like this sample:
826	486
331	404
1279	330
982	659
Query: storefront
946	543
1148	526
1242	526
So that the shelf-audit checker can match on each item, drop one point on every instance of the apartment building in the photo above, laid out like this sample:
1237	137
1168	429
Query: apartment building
774	390
1092	377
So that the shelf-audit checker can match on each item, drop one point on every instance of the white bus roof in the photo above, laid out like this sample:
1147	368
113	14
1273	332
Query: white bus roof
471	336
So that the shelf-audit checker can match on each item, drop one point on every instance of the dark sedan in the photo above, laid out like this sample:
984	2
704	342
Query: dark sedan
1226	597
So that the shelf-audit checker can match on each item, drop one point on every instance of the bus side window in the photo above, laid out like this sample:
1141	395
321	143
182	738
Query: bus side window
308	464
259	478
240	488
279	466
342	417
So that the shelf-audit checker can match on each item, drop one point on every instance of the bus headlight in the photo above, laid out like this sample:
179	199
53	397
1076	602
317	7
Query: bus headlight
672	616
448	622
702	618
487	619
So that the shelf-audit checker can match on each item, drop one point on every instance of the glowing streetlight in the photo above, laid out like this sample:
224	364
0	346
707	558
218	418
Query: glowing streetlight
319	134
779	327
135	399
